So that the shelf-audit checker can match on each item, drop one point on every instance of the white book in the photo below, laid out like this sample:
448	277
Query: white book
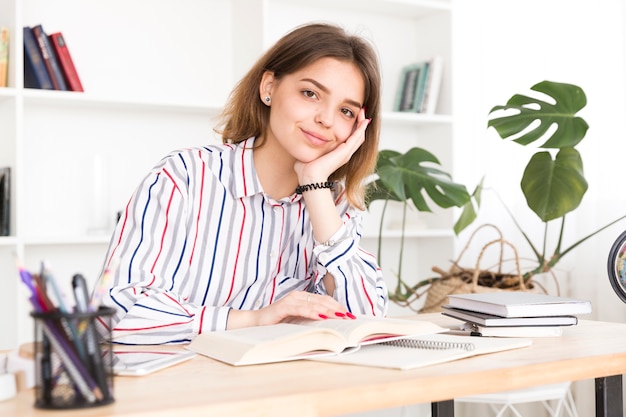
433	85
489	320
519	304
427	350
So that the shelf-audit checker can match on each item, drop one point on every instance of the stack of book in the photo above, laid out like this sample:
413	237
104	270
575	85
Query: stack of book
48	64
515	313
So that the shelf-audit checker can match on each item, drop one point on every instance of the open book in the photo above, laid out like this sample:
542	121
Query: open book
425	350
303	339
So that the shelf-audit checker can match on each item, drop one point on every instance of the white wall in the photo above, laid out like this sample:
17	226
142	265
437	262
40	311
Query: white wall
505	47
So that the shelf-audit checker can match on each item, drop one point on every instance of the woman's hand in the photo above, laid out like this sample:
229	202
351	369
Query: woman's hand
321	168
296	304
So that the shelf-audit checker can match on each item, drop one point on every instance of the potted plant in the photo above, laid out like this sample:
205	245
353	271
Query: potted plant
553	182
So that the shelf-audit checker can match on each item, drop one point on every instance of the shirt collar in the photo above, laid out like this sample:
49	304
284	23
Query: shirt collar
245	180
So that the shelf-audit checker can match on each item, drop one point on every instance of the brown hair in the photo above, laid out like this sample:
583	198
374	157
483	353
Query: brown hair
245	115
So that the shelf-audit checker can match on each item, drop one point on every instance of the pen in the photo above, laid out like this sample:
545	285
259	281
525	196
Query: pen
94	353
49	279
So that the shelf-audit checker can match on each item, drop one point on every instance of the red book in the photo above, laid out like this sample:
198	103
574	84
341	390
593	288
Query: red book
65	61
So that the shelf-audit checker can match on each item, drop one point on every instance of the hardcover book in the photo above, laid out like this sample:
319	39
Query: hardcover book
5	201
35	72
49	58
65	61
432	85
302	339
410	91
488	320
4	57
519	304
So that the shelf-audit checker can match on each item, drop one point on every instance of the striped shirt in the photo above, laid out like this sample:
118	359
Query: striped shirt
200	237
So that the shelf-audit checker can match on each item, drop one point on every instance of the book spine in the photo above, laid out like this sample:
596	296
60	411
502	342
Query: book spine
35	72
65	61
433	86
4	57
5	201
49	58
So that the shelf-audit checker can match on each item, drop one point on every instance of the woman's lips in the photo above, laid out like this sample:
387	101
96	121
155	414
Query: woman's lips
315	139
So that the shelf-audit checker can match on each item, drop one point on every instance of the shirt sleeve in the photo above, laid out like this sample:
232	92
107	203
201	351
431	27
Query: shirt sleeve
145	287
359	283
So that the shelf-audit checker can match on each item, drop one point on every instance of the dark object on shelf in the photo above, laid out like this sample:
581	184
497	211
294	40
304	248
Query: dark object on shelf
5	201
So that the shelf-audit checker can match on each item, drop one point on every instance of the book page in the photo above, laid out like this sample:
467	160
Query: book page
263	344
371	329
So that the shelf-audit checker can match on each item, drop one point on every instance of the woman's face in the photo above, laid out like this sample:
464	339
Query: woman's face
314	109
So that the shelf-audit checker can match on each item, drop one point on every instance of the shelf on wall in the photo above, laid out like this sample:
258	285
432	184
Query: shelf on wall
405	8
416	119
8	240
34	96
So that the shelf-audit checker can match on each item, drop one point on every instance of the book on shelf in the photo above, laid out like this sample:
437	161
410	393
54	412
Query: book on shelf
426	350
59	45
35	72
4	56
411	87
5	201
488	320
432	85
519	304
419	86
511	331
303	339
49	58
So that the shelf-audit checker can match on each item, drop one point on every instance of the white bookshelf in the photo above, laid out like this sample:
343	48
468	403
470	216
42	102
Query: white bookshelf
155	77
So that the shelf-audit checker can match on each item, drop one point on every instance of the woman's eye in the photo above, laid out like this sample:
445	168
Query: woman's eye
309	94
348	112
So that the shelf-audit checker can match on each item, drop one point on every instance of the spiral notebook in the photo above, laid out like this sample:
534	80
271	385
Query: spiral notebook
427	350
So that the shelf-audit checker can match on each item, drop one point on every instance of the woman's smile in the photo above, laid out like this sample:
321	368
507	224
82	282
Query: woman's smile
314	138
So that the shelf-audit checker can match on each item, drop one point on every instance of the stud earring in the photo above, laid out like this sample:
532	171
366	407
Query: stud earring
267	99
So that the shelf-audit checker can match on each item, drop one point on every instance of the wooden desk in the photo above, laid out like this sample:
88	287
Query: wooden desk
202	387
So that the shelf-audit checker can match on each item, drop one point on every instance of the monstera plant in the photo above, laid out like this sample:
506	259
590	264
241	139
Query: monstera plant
408	178
553	182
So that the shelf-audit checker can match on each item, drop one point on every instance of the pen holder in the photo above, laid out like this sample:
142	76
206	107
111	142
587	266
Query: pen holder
73	359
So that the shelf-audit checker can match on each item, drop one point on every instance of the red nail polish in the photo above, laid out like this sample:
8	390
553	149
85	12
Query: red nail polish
352	316
322	316
338	314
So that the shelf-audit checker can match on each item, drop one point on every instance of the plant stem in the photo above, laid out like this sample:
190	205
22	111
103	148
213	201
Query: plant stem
380	234
401	243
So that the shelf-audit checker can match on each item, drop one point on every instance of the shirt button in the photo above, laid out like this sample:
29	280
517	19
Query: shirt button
323	257
273	254
276	209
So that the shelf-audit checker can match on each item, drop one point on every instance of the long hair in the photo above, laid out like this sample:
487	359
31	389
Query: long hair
245	115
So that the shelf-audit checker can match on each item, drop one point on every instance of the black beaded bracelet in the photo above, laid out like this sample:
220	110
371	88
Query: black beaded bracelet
302	188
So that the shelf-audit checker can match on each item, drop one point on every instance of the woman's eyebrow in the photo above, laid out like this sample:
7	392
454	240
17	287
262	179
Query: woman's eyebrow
325	90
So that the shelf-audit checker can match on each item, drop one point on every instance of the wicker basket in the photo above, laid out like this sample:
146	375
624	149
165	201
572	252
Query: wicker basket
460	280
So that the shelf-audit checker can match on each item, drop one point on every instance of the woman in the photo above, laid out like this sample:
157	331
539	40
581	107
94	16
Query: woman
266	226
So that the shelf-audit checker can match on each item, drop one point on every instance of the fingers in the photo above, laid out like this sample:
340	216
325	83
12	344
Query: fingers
316	306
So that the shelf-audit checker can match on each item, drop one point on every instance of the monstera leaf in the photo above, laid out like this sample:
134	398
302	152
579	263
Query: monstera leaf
552	187
571	129
412	175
